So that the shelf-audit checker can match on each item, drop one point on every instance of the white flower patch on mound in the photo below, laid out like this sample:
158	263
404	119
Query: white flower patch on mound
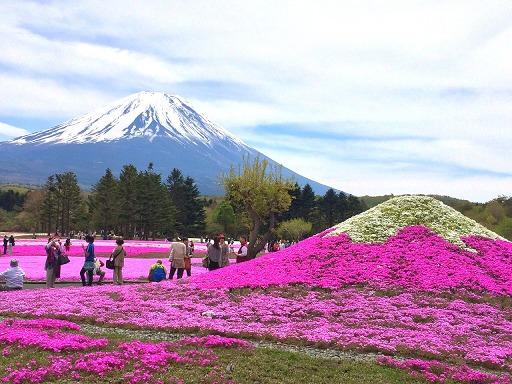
384	220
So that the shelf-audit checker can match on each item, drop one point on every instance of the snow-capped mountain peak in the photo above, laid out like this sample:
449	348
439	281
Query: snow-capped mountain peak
143	114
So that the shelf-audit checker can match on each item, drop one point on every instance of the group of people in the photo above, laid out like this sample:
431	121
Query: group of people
56	257
180	255
9	243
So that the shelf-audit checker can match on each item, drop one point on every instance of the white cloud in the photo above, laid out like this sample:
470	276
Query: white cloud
8	131
438	70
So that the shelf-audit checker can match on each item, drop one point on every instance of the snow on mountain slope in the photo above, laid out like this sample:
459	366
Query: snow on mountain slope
143	114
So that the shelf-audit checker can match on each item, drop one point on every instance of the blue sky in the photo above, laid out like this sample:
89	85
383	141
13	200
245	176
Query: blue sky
370	97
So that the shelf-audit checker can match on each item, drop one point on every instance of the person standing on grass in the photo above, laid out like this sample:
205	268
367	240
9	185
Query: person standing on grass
89	261
13	277
6	242
177	258
242	251
11	244
118	255
224	254
51	265
214	253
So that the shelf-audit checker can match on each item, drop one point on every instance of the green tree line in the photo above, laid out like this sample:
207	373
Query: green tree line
136	203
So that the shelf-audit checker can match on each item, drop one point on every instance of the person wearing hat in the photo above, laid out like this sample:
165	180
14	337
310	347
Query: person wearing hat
13	277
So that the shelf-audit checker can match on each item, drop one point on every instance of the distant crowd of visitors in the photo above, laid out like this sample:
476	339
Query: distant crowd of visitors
9	244
180	257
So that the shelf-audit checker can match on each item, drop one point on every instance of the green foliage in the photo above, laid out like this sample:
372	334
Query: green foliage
61	204
11	200
225	216
104	202
190	212
262	194
294	229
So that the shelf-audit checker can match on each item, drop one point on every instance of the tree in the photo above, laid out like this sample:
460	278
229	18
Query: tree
127	193
307	202
294	229
263	193
329	207
104	202
48	213
156	211
296	204
225	216
69	199
190	213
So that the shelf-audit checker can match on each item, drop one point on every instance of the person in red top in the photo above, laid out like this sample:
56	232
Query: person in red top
242	251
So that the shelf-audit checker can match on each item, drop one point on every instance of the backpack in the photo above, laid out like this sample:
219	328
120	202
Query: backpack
158	274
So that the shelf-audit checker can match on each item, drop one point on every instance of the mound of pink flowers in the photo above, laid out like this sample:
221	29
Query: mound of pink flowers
415	258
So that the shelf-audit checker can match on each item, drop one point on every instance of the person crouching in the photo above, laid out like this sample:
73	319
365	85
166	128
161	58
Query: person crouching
13	277
157	272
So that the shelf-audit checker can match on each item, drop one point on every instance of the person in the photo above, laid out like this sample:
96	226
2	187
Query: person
11	244
177	259
6	241
157	272
88	266
242	251
98	271
51	264
191	248
118	255
67	245
214	253
224	255
276	247
188	257
13	277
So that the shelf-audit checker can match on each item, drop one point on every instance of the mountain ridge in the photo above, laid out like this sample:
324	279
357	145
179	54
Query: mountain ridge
142	128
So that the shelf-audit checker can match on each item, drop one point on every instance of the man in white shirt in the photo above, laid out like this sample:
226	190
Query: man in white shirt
13	277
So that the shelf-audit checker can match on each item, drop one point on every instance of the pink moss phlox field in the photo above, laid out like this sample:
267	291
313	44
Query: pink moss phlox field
415	295
211	341
43	334
142	360
438	372
415	258
361	320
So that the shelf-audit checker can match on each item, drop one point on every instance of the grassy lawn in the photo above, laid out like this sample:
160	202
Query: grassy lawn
260	365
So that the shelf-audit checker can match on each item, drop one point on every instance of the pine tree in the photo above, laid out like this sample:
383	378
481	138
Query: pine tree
195	215
105	203
307	202
328	206
127	192
190	213
48	214
70	199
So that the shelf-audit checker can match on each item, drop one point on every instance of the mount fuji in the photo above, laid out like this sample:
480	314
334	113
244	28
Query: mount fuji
143	128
